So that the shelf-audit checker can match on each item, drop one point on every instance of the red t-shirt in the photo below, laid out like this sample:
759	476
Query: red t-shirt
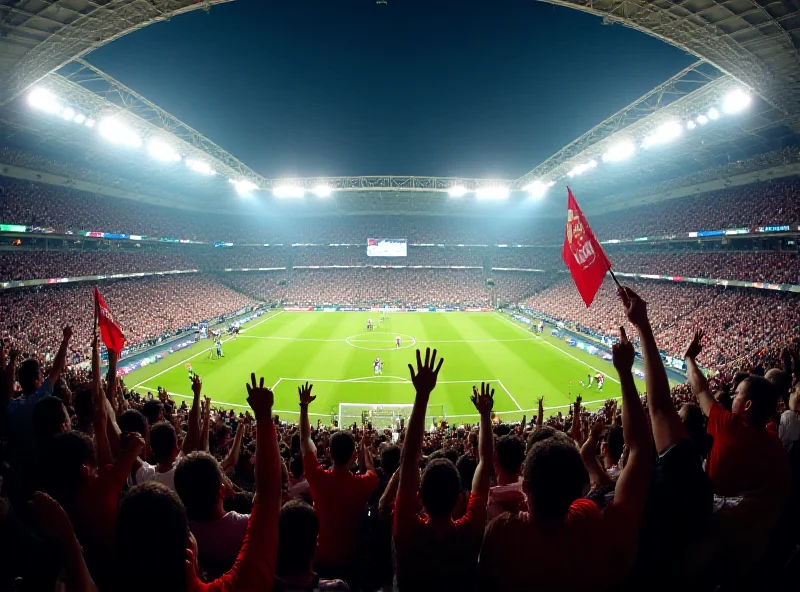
428	557
339	499
517	551
254	569
745	460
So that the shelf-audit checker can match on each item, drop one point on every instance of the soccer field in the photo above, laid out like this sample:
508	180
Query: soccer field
334	351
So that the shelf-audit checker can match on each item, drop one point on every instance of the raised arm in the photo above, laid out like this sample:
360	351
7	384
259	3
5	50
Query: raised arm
540	414
232	459
192	440
99	411
668	429
206	425
7	379
597	475
306	398
365	462
61	357
424	381
576	420
697	379
484	401
111	377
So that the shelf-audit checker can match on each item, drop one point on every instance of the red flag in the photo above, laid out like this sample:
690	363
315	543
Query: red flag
109	329
585	258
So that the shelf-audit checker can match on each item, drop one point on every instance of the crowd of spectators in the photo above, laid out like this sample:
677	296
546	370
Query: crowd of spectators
439	288
687	488
147	309
219	258
512	287
347	287
269	286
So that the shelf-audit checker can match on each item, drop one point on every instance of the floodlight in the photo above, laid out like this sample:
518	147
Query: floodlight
243	186
160	150
690	125
492	193
457	191
592	163
666	132
713	113
551	183
581	168
702	119
118	133
79	118
199	166
288	191
537	189
68	113
44	100
735	101
322	190
90	123
620	151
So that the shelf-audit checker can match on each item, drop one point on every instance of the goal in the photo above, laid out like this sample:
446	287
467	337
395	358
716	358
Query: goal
385	415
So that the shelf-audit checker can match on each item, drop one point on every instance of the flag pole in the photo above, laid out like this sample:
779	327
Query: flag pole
613	277
96	307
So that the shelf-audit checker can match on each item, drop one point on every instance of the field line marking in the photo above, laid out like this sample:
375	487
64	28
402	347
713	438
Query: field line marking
274	386
202	352
566	353
508	392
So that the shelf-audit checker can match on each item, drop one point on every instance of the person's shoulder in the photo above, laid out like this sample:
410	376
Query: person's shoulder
236	518
582	509
507	521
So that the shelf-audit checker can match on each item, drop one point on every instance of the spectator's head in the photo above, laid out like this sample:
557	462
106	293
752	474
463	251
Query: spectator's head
84	408
298	528
296	466
541	433
200	485
757	398
782	381
738	378
440	488
612	449
164	442
67	463
152	517
50	418
390	459
153	411
343	448
554	476
466	466
133	421
29	376
509	454
695	422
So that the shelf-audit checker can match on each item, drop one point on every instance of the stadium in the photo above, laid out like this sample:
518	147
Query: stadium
135	248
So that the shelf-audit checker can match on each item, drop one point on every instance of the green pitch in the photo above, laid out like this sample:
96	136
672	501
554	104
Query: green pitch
336	353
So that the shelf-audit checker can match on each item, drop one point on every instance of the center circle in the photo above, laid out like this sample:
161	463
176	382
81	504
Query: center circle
380	341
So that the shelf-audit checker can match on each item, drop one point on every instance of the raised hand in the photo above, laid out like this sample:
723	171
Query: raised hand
483	401
67	333
304	392
197	385
696	346
424	379
260	398
622	353
597	428
635	307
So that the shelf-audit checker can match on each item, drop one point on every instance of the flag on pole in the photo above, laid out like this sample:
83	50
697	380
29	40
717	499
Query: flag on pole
109	330
585	258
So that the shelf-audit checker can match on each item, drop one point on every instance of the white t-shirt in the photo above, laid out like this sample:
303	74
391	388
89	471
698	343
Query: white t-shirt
148	472
219	542
505	498
789	428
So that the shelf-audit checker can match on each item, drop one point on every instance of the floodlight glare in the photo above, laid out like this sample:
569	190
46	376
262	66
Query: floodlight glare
619	152
79	118
90	123
581	168
666	132
322	190
118	133
457	191
713	113
497	193
243	186
198	166
551	183
735	101
702	119
160	150
288	191
690	125
44	100
537	189
68	113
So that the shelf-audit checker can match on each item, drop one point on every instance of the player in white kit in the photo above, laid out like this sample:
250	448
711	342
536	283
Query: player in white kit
378	366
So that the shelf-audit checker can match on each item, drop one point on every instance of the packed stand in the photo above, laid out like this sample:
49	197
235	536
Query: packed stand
439	288
269	287
17	264
220	258
522	258
353	287
512	287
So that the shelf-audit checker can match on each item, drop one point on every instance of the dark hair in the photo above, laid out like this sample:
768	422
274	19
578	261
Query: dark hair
48	417
163	441
198	479
510	453
554	477
28	374
466	466
83	404
615	442
298	528
132	420
296	466
60	463
782	382
151	410
764	398
390	459
440	487
452	455
342	446
541	433
152	517
695	423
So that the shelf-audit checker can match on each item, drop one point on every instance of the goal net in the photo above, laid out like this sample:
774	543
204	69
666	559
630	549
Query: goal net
384	416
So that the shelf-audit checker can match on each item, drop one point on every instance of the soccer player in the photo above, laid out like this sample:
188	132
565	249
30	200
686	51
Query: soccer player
600	380
397	341
219	348
380	366
541	327
369	324
376	365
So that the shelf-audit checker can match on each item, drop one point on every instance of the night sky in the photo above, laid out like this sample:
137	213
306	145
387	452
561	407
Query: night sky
414	87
